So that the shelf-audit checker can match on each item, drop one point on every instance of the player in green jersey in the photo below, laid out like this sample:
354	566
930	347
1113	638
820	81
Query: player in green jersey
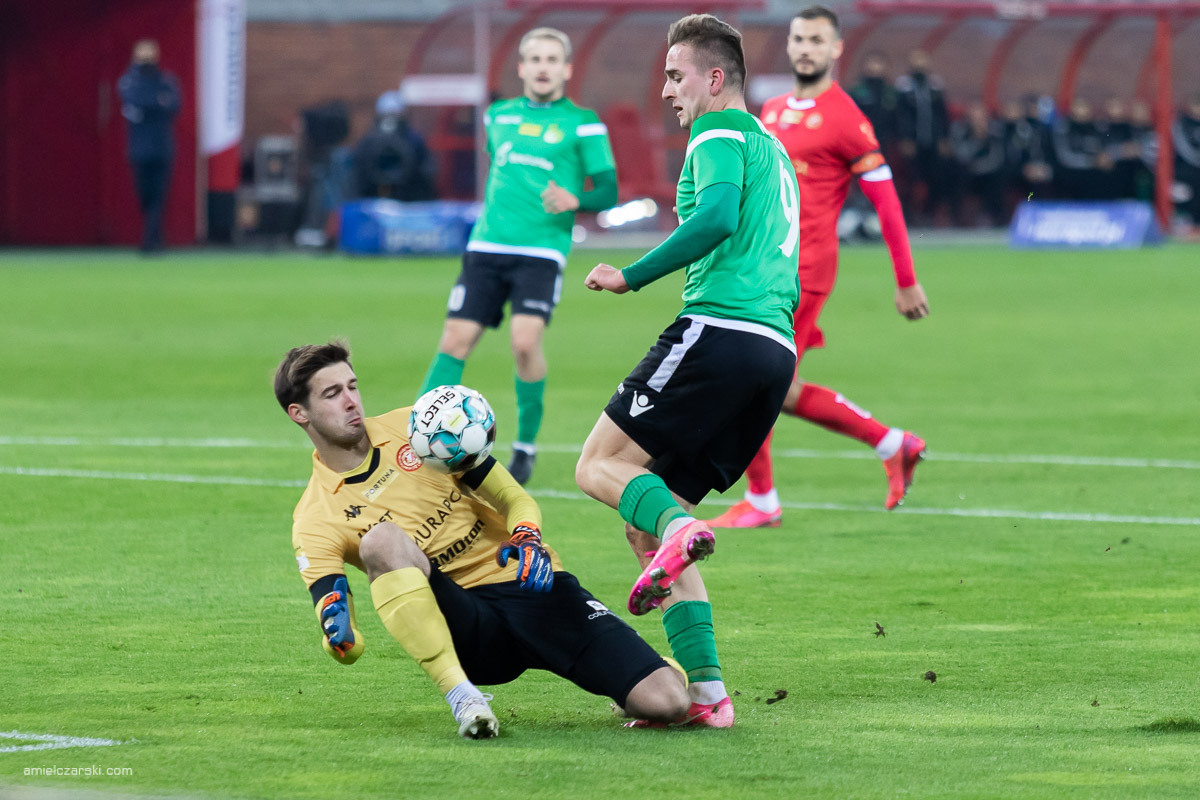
677	426
543	148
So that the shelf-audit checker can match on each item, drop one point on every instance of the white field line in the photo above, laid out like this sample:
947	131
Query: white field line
863	454
994	513
50	741
147	441
160	477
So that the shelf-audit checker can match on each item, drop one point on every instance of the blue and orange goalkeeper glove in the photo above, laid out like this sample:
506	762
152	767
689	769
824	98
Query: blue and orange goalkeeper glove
336	614
534	570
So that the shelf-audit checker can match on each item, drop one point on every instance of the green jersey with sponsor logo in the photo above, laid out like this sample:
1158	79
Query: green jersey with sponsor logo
530	145
751	276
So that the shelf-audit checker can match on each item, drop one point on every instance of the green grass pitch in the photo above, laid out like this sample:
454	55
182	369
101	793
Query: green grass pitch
1046	566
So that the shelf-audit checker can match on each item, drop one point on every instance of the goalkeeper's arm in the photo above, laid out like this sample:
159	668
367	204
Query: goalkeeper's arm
335	614
523	519
503	493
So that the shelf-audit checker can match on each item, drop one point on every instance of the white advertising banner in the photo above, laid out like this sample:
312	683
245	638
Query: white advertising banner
222	74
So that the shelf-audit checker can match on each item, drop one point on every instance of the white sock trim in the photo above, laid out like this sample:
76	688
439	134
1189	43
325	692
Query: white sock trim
889	445
675	525
767	503
707	692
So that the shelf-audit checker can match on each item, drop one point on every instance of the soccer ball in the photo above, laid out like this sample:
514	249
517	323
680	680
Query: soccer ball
452	428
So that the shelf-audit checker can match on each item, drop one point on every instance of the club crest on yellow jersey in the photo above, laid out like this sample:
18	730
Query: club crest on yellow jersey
407	459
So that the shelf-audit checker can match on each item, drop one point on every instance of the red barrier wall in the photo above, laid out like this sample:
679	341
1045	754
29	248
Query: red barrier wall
63	174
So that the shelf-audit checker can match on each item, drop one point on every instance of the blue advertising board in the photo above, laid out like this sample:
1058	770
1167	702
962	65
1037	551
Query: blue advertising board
388	227
1116	224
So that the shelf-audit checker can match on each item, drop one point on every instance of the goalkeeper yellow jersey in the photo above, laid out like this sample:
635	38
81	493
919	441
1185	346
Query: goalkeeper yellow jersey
450	522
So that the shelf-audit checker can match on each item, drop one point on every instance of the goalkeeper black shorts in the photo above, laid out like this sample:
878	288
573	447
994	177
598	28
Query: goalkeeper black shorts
500	630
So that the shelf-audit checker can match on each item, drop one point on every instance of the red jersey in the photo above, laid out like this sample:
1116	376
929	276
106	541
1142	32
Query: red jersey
827	138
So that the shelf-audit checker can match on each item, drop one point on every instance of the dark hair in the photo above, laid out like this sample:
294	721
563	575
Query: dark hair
720	42
821	12
300	364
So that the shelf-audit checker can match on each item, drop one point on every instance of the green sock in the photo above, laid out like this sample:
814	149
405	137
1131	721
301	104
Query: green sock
529	409
689	630
648	505
444	370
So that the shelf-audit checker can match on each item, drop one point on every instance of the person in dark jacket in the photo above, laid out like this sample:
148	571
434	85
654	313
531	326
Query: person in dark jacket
392	160
1122	148
1028	151
878	98
1083	167
979	152
149	103
924	128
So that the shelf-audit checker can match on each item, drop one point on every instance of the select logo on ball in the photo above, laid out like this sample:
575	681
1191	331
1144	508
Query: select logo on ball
452	429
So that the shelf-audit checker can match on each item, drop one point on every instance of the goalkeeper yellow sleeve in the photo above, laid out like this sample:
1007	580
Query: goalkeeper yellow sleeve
410	612
503	492
351	655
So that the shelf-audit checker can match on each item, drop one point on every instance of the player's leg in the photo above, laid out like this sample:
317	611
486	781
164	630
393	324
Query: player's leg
476	302
737	427
536	288
399	573
614	469
459	337
688	623
899	450
530	380
659	697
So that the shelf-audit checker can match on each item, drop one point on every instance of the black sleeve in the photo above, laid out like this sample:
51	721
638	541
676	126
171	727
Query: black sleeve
322	586
474	478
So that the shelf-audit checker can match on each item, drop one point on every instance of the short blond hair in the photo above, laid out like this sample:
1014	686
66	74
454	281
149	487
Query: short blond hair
546	33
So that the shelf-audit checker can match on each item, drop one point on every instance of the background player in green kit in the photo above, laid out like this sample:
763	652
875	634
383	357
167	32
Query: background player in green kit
543	147
687	419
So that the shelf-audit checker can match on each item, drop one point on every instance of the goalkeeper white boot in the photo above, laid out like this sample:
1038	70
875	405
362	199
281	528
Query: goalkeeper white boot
475	718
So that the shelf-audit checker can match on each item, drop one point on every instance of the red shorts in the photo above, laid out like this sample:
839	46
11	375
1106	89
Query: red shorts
807	335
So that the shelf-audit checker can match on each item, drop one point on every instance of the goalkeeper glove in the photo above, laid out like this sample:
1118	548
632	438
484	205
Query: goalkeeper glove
335	612
534	570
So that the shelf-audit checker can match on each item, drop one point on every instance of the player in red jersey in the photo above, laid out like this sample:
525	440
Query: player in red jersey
830	141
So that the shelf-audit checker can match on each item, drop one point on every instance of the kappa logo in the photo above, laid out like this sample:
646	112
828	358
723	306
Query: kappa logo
354	511
640	405
408	459
599	609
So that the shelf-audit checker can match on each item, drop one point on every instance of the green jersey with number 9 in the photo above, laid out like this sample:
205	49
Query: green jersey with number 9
752	275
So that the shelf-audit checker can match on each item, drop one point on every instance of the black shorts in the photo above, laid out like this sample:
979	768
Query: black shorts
701	403
489	280
500	630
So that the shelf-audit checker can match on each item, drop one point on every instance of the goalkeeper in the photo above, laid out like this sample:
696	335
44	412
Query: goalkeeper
458	572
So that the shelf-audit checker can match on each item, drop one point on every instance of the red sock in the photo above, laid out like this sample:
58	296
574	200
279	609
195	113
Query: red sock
758	474
833	412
